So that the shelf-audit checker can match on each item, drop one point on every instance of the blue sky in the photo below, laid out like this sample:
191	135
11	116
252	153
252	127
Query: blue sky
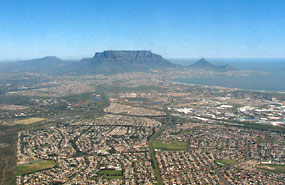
73	29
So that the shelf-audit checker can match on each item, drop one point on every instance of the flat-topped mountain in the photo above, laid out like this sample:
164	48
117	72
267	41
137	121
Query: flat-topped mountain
131	57
111	61
205	65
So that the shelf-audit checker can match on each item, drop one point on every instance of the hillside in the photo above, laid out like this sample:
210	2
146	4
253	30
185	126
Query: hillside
203	64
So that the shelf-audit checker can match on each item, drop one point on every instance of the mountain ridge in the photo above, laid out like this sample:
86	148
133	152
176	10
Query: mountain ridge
106	62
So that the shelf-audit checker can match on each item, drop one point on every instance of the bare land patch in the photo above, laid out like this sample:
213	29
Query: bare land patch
29	121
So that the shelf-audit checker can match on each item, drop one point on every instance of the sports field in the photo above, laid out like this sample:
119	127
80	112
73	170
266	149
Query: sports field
34	166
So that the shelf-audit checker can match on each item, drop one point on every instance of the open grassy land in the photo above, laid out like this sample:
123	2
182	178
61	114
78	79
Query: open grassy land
109	174
29	121
114	177
8	138
175	145
265	140
185	132
14	99
225	162
274	168
34	166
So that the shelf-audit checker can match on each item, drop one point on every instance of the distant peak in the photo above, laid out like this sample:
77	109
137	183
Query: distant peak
202	60
204	64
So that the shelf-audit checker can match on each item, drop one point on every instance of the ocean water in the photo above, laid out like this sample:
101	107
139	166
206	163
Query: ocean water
273	81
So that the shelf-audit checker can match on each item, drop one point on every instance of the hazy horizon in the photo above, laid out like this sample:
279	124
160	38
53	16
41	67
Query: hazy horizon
170	59
213	59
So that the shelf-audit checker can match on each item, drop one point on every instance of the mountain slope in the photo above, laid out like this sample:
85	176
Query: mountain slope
205	65
202	64
49	64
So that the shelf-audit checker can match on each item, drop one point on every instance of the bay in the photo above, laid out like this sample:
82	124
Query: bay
274	80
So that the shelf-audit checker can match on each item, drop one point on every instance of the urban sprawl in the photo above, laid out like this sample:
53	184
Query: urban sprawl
157	132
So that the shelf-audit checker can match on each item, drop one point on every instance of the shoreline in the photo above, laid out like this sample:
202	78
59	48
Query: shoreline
231	88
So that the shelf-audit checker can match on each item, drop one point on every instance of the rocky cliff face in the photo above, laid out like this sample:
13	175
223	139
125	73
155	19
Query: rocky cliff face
130	57
119	61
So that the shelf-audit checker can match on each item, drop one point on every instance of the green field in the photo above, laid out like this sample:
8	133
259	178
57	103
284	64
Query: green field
34	166
186	132
174	145
225	162
274	168
108	174
265	140
111	172
114	177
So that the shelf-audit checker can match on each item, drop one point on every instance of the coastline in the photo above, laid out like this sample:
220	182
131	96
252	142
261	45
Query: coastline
222	87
